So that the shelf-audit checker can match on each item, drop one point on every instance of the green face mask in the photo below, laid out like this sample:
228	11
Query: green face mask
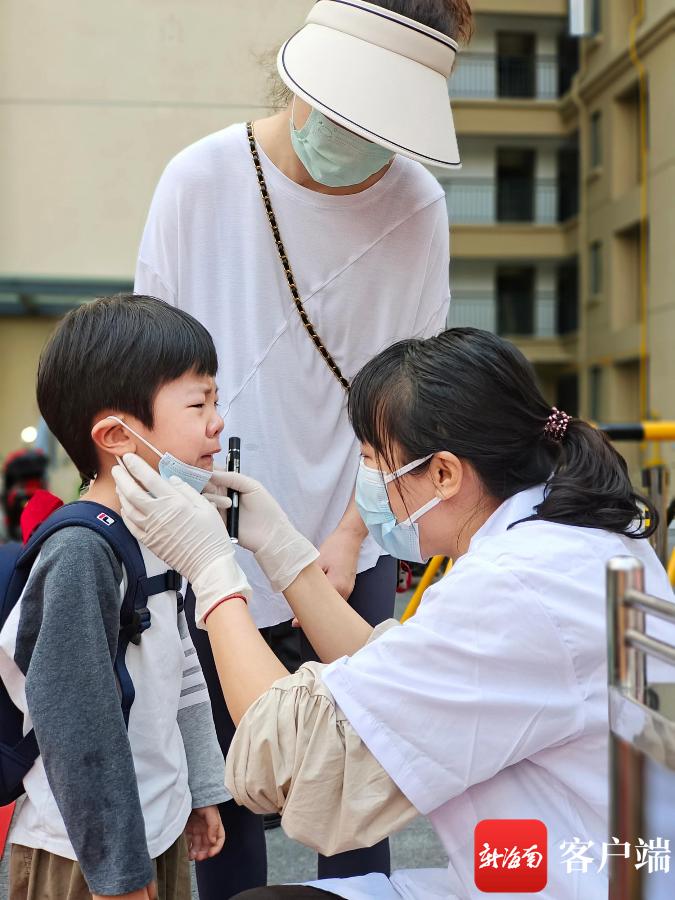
333	156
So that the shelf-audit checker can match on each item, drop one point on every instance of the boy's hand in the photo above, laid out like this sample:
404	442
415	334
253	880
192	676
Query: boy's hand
205	833
147	893
339	560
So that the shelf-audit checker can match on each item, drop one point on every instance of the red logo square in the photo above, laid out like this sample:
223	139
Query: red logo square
510	856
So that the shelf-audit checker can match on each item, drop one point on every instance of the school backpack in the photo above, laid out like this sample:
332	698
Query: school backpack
19	752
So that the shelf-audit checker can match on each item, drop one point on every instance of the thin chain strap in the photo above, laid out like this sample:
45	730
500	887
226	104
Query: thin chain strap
318	343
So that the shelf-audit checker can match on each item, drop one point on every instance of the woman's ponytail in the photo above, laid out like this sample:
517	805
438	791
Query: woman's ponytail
590	487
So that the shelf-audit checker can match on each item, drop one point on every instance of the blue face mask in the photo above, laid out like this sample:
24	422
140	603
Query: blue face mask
170	465
333	156
400	539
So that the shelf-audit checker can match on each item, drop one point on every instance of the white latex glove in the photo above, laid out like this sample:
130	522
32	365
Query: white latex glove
182	528
280	550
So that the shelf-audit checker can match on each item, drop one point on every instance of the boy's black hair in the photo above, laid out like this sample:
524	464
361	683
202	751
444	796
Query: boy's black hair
115	353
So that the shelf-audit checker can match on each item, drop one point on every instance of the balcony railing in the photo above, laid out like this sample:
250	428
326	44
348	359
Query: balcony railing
487	76
481	310
485	201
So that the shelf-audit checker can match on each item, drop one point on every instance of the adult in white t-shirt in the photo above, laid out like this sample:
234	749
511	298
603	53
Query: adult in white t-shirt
491	702
365	230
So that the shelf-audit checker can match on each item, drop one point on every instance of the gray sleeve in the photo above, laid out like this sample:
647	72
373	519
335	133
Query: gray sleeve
206	766
70	619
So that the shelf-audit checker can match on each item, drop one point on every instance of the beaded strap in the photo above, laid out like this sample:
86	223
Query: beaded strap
311	331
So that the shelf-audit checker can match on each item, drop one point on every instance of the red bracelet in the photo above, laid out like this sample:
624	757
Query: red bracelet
224	599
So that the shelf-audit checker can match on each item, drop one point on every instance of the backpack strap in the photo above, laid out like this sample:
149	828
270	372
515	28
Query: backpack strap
134	612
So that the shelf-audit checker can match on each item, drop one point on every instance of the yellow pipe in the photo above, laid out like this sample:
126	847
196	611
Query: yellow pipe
671	568
638	431
425	581
659	431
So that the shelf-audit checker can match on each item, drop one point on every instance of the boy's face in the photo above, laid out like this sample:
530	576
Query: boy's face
186	423
186	420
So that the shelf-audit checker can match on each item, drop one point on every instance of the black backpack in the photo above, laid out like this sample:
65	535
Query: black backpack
19	752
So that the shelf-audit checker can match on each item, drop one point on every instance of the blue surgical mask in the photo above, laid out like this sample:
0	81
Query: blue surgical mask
170	465
400	539
334	156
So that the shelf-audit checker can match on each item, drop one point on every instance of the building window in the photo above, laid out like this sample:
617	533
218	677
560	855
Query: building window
626	287
567	297
567	394
515	184
568	179
515	300
595	268
626	376
626	155
596	140
595	392
568	61
596	16
516	64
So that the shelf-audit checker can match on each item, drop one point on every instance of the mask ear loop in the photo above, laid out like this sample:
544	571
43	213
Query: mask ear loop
399	473
135	434
422	510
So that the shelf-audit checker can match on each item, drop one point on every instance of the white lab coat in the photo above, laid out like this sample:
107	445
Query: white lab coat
492	701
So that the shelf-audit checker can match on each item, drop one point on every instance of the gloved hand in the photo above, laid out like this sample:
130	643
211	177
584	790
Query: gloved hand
279	548
182	528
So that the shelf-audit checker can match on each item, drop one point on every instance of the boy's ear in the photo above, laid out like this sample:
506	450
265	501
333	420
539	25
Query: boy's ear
110	437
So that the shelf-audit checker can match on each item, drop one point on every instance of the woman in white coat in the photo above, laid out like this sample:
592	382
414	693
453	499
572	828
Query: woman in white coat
491	702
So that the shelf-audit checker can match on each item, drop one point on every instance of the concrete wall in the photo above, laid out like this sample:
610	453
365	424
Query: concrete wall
611	205
95	98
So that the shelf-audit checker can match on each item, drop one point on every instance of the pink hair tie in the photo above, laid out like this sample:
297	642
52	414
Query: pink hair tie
556	425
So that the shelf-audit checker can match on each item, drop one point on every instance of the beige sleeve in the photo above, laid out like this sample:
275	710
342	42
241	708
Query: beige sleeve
295	753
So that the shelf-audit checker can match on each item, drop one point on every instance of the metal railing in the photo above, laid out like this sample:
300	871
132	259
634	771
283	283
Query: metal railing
642	744
482	310
485	201
628	644
489	76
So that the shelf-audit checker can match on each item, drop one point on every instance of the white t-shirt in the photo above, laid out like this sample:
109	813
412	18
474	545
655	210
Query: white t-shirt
371	269
492	702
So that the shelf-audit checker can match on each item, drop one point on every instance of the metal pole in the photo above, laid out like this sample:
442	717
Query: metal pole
626	665
626	671
656	479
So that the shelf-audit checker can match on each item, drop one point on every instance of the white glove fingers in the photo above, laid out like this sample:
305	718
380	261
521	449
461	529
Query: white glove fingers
224	480
185	489
129	490
133	515
218	500
145	475
135	529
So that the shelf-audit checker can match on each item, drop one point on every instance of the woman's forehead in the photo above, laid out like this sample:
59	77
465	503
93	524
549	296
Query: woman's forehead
387	460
